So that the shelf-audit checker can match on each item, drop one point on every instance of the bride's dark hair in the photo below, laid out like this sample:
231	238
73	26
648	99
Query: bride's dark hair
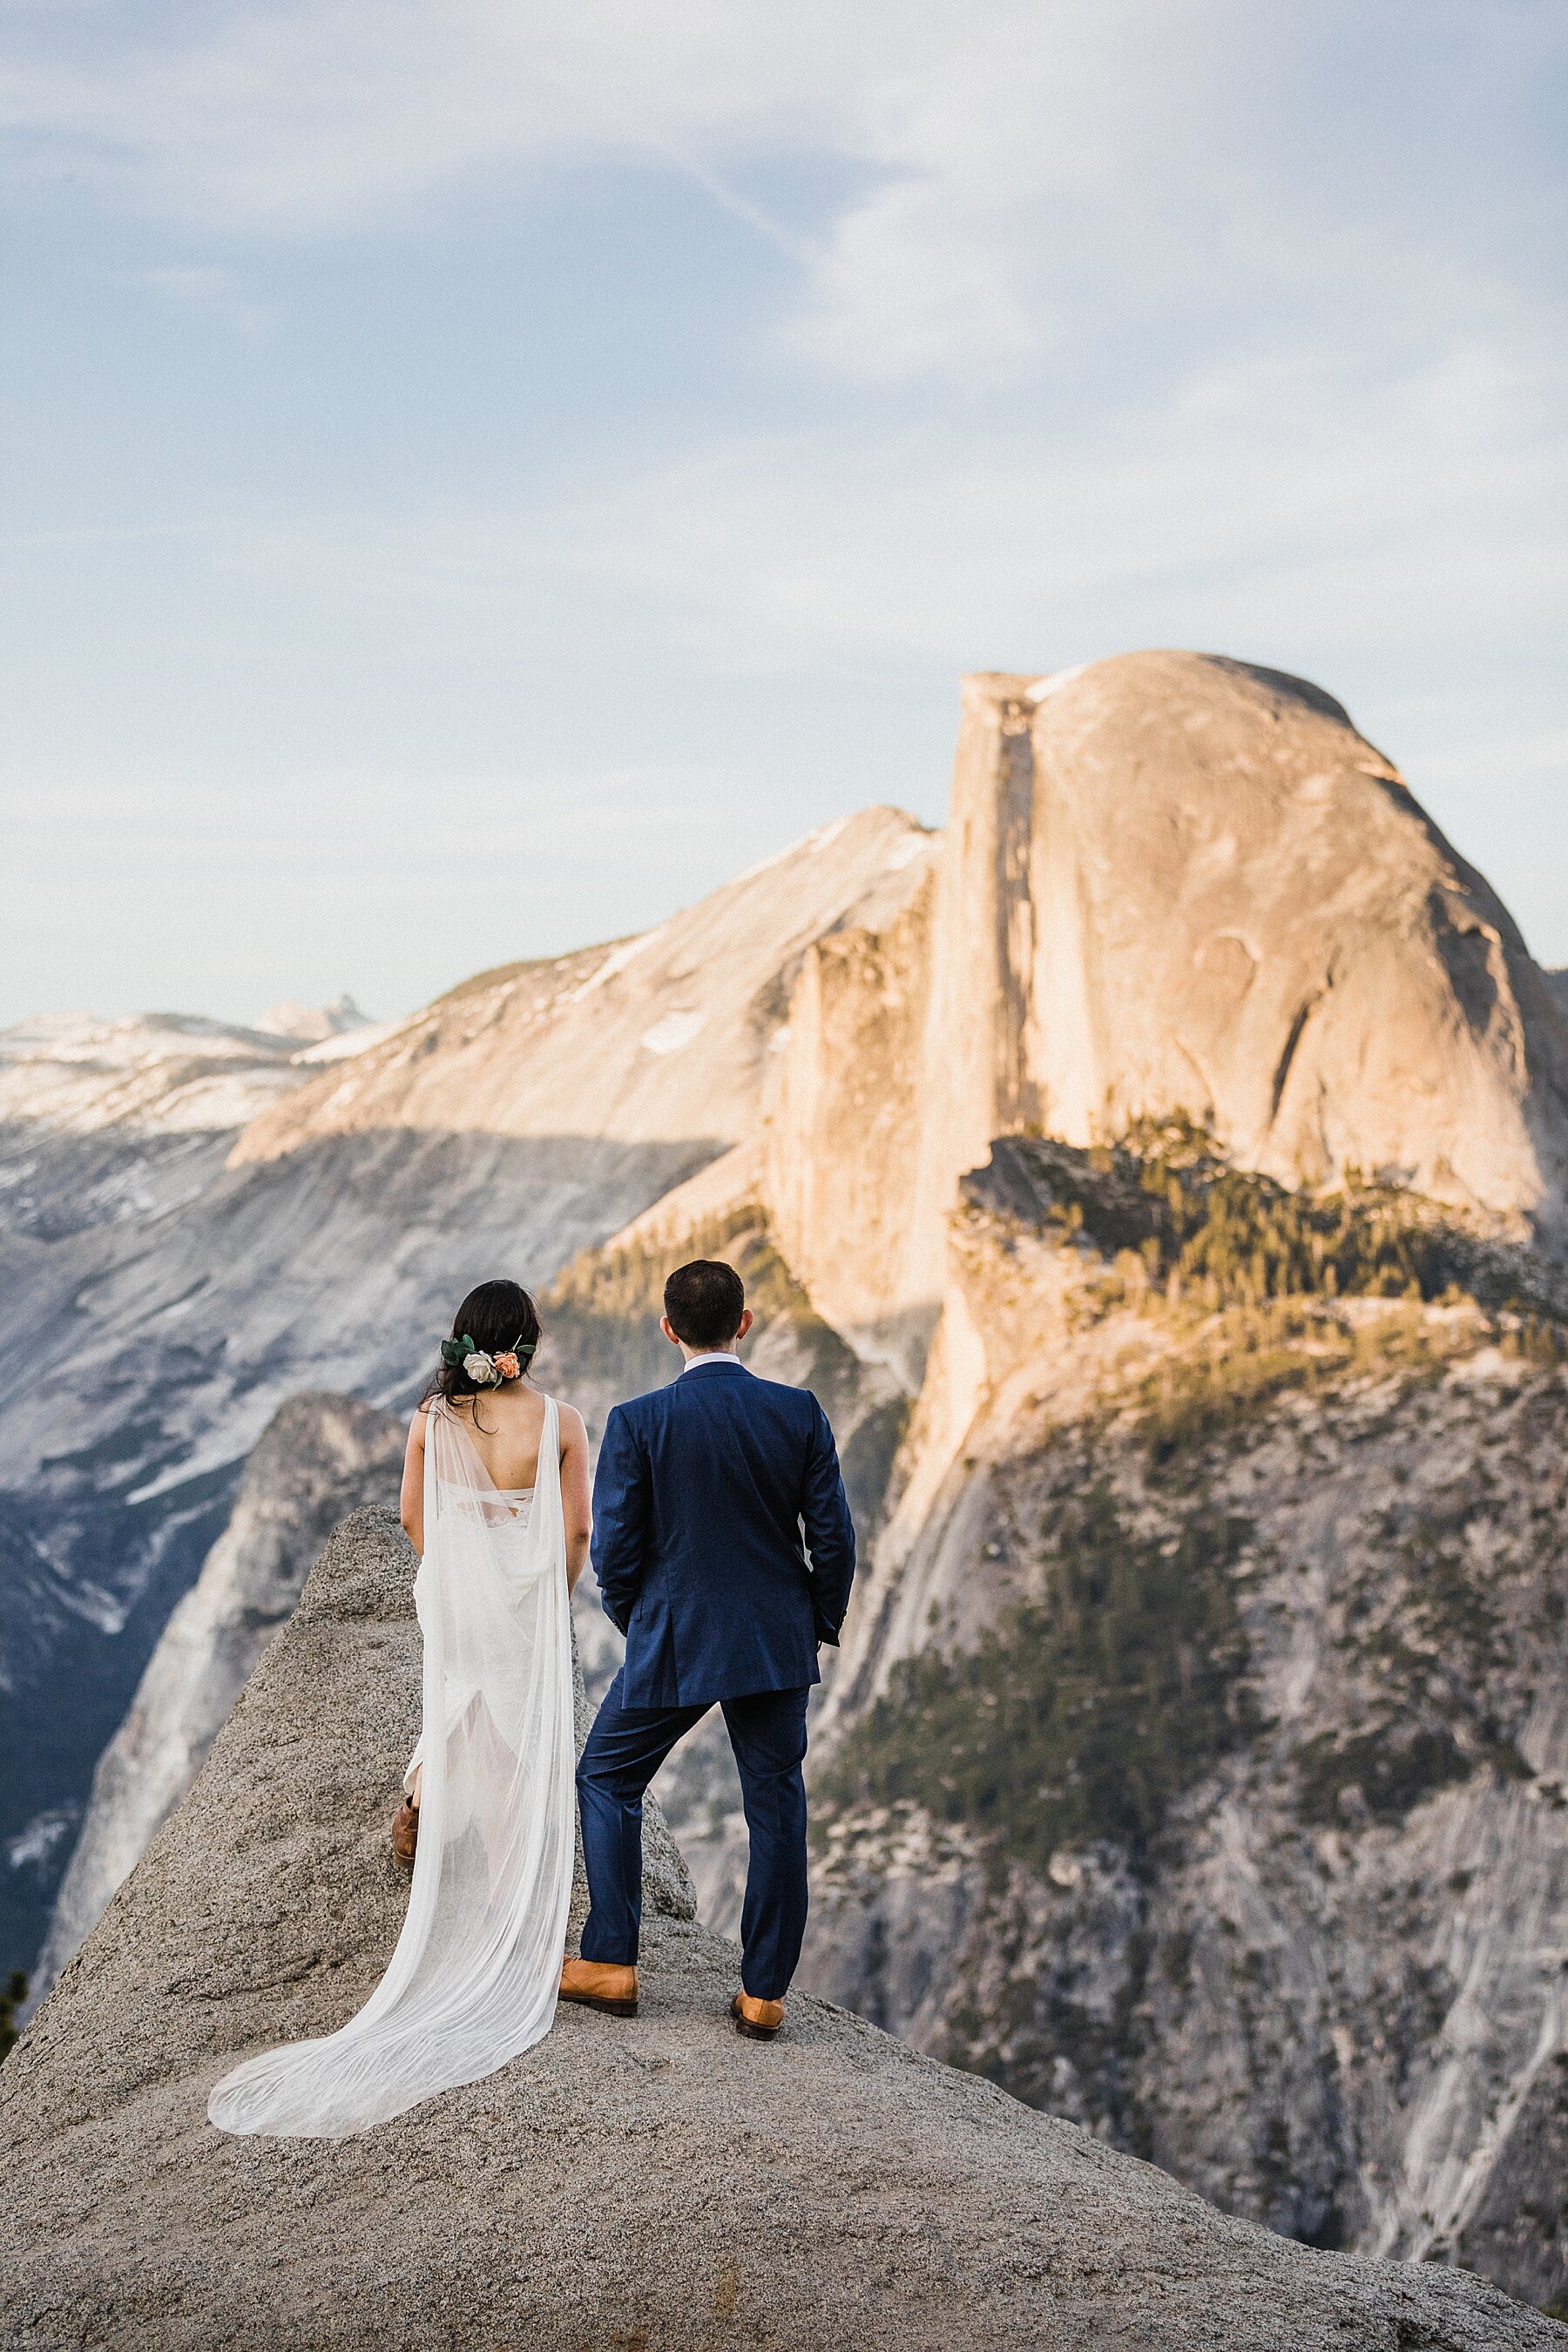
496	1316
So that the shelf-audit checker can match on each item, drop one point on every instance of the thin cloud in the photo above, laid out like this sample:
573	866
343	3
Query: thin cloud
205	286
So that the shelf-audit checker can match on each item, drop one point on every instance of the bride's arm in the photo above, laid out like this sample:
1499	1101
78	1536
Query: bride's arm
576	1503
411	1502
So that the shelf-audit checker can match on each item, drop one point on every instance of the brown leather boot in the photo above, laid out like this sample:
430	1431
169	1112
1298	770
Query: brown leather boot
758	2020
405	1836
600	1984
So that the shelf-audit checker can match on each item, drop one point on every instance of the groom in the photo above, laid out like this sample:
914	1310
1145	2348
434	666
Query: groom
702	1494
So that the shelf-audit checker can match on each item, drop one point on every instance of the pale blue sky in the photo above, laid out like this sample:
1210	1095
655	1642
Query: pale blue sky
475	478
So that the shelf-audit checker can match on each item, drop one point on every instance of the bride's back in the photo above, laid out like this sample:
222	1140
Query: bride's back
505	1425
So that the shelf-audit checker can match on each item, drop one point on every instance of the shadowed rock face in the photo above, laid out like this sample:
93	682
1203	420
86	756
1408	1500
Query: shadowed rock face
335	1266
318	1458
658	2182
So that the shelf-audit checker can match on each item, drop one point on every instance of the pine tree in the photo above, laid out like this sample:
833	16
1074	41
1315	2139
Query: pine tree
11	2001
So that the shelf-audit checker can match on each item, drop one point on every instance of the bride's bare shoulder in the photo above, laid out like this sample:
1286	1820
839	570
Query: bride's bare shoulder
573	1428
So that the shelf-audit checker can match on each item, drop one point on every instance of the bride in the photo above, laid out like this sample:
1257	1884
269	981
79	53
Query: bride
496	1500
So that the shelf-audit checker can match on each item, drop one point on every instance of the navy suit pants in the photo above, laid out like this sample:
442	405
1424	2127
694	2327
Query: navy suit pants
625	1749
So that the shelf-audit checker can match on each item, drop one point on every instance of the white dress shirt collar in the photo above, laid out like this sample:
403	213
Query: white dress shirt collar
710	1355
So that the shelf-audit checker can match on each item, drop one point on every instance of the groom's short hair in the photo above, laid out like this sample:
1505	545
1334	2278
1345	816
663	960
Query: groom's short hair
705	1302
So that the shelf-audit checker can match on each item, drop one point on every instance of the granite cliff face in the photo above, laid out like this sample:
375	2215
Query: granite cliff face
1212	892
1197	1765
602	2188
1169	882
662	1040
1174	886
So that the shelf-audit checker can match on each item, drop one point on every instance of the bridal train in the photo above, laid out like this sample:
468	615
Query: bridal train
474	1977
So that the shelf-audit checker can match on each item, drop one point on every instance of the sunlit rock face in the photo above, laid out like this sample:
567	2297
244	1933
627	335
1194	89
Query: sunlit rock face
1169	881
1207	891
661	1039
845	1115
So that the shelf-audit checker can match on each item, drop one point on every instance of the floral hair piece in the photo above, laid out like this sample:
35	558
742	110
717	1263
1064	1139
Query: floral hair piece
488	1371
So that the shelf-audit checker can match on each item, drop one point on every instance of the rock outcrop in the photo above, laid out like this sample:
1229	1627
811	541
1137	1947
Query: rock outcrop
846	1123
318	1458
1197	1765
655	2182
315	1025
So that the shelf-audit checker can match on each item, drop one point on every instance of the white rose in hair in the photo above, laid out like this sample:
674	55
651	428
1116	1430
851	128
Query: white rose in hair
480	1369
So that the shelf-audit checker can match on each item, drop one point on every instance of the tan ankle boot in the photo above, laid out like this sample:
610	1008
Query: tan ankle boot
405	1836
600	1984
758	2020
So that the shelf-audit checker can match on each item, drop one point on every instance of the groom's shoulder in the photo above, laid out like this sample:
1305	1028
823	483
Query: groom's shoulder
749	1389
640	1408
782	1393
783	1405
778	1397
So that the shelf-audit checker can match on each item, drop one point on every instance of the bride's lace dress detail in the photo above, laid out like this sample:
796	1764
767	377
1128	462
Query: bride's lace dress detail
473	1980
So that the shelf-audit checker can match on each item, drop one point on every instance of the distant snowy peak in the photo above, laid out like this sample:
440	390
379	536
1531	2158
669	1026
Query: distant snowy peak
169	1073
344	1043
160	1072
310	1024
134	1041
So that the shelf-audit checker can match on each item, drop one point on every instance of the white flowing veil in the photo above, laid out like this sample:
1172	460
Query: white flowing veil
473	1979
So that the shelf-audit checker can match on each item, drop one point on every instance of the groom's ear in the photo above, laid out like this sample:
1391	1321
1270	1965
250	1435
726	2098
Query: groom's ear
668	1327
747	1319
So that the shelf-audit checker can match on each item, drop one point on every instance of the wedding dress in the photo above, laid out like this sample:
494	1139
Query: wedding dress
473	1979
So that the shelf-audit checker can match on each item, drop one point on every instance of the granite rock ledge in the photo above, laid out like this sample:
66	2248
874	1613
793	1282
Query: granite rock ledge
655	2184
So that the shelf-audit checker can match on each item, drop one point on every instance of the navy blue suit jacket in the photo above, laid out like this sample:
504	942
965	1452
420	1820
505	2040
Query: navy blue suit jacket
699	1501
